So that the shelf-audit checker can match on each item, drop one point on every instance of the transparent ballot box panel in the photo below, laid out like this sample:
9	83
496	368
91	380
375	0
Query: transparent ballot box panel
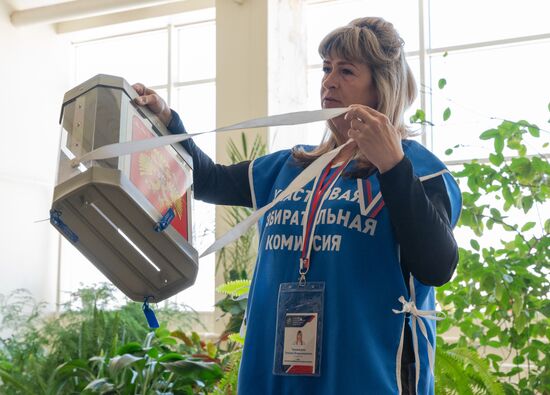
129	215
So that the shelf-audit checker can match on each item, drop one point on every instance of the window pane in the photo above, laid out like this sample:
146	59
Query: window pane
196	104
322	18
196	52
507	82
458	22
136	58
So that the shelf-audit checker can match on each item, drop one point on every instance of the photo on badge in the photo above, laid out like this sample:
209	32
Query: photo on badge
300	342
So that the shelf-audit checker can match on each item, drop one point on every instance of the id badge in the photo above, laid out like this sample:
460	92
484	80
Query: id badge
299	329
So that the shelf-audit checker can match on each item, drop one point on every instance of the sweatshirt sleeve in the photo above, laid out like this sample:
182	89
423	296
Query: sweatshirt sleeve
213	183
420	213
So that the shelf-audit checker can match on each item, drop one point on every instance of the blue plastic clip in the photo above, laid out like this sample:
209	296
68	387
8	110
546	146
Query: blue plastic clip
55	220
165	220
149	314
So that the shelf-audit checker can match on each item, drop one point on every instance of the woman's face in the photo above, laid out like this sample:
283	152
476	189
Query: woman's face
345	83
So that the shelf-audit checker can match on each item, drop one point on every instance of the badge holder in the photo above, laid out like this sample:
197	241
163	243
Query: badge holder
299	329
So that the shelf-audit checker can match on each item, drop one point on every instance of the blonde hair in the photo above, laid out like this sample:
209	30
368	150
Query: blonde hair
374	42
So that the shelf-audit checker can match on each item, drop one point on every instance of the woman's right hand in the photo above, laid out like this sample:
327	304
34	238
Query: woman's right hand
155	103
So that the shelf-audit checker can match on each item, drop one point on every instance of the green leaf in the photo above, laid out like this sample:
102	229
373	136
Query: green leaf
235	288
474	244
162	331
129	348
237	338
495	357
534	130
499	291
153	353
101	386
441	83
526	203
448	151
518	359
171	356
499	144
520	323
118	363
447	53
168	340
446	114
496	159
211	349
195	338
517	306
418	117
495	213
528	226
547	226
207	372
489	134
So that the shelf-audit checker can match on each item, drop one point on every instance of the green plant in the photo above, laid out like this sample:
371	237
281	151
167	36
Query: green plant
461	371
237	291
33	354
167	362
499	297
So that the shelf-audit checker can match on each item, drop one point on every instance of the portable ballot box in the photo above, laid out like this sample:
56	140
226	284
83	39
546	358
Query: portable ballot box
129	215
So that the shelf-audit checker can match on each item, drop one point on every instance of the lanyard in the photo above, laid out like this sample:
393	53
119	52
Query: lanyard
321	190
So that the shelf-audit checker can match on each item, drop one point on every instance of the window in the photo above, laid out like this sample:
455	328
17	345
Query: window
178	61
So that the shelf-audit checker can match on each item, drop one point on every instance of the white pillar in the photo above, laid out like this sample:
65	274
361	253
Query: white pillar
241	79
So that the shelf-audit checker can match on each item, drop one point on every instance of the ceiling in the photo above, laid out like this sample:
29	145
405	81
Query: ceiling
26	4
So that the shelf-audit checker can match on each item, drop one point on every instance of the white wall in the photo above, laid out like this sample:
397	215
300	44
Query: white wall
34	75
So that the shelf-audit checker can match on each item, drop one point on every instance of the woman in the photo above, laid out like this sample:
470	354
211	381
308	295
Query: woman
374	230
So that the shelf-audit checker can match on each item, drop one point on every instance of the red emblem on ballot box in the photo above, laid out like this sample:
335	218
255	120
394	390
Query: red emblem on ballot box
160	177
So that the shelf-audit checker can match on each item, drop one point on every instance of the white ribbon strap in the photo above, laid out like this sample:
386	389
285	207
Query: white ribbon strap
301	180
416	314
130	147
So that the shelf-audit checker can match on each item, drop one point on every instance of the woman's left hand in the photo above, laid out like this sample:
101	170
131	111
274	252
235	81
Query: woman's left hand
375	136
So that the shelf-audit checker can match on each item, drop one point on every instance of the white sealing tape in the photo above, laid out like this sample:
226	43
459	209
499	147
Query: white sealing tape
130	147
310	172
294	118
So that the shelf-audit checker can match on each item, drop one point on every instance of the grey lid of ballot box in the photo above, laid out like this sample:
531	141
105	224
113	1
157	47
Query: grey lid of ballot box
115	82
95	205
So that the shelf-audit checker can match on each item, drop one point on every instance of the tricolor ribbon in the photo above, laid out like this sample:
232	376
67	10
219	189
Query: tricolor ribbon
321	189
373	206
